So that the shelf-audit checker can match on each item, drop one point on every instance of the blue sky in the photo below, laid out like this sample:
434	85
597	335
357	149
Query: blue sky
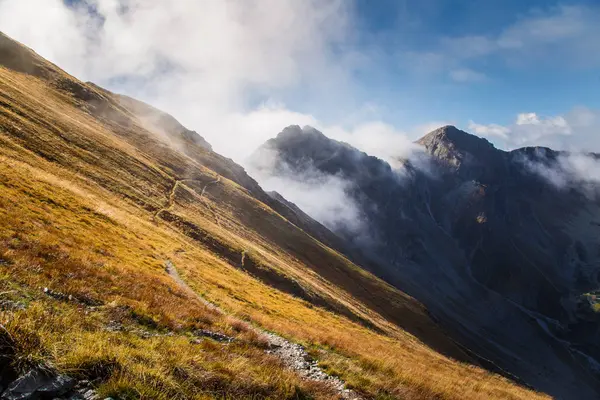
415	83
377	74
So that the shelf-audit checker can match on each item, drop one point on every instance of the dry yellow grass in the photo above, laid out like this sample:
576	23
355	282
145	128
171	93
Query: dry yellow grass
80	183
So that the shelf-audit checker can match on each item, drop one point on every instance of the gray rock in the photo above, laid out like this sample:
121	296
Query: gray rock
38	384
9	305
114	326
219	337
84	394
89	395
59	386
25	387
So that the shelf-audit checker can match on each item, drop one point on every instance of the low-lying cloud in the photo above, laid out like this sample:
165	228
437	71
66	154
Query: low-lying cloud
567	171
325	197
226	70
571	133
327	179
211	64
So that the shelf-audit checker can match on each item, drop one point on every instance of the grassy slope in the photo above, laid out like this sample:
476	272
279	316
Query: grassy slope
80	182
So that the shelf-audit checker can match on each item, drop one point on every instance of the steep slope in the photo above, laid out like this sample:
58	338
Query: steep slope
498	254
100	199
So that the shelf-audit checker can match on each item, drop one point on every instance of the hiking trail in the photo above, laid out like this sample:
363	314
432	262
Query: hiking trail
171	198
293	356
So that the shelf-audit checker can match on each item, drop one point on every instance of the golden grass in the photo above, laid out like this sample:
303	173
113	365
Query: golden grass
162	367
78	191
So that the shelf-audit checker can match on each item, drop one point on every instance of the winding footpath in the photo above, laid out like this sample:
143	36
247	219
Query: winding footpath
170	201
171	197
208	184
215	182
293	355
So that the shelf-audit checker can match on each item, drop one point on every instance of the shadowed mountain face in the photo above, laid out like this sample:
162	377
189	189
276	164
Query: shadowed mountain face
504	258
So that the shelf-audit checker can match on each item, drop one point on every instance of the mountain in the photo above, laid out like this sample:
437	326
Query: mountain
502	256
135	262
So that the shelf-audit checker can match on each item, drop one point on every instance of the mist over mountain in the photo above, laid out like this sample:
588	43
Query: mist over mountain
501	246
138	262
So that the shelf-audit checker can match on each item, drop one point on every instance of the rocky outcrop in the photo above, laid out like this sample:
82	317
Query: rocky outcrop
37	383
43	384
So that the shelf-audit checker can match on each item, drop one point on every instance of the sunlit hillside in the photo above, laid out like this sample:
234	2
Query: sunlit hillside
99	196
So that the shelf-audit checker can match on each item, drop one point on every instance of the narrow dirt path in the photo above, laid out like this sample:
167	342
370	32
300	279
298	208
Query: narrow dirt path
293	355
171	198
243	261
216	215
172	271
208	184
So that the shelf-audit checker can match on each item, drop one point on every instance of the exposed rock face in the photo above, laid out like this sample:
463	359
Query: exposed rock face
37	383
7	374
498	254
41	384
466	155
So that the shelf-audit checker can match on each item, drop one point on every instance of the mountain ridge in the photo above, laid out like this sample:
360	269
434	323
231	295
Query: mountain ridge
97	209
487	230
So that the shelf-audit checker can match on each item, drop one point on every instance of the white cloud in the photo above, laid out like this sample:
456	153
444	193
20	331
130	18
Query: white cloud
577	130
375	138
322	196
207	62
531	128
577	133
566	35
578	171
240	133
573	28
223	68
491	130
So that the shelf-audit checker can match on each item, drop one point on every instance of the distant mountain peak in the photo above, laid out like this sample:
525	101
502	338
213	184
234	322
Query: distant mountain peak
446	130
450	135
297	133
294	142
455	147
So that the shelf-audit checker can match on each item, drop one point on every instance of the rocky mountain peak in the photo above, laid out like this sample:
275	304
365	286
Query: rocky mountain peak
307	148
453	145
306	139
463	152
295	131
